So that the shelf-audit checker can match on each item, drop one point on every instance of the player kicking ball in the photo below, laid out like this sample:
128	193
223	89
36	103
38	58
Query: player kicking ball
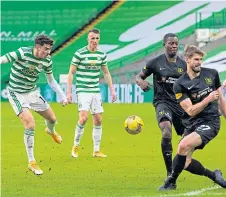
28	63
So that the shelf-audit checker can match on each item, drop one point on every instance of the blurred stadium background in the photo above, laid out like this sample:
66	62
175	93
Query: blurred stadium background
131	34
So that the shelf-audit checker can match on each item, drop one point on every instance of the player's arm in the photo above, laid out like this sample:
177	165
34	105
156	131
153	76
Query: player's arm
186	104
144	73
55	86
222	102
4	59
224	84
221	90
11	56
108	78
70	77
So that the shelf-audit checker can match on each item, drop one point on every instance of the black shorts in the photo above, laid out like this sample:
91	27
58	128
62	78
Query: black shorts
207	130
164	110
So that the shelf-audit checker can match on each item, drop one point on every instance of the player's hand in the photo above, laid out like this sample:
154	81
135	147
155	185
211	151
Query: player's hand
213	96
69	97
145	85
63	100
113	95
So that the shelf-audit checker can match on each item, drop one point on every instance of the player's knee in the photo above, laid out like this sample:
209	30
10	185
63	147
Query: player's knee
52	119
29	123
166	129
183	147
83	118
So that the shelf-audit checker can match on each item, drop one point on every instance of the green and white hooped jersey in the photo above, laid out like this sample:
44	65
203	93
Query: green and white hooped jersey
88	69
26	69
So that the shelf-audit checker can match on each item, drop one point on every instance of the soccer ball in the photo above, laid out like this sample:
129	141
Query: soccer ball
133	125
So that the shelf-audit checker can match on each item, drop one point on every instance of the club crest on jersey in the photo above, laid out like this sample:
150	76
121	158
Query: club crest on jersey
32	68
98	58
92	62
208	80
180	70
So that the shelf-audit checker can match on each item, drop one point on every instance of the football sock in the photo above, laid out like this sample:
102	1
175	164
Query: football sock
195	167
97	133
29	143
50	126
79	130
210	174
178	166
167	153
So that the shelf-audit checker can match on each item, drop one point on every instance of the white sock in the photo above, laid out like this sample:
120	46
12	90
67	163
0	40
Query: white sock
97	133
79	130
50	126
29	143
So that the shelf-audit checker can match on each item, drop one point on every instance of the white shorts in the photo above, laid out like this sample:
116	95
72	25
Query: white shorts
31	100
90	102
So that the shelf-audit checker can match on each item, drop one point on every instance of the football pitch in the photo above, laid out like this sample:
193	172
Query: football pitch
134	166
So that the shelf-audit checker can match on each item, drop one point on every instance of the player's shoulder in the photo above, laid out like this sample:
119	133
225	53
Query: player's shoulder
100	51
156	59
182	60
82	50
159	57
209	70
26	50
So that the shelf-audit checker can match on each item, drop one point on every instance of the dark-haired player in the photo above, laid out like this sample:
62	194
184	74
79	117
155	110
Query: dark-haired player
23	94
166	69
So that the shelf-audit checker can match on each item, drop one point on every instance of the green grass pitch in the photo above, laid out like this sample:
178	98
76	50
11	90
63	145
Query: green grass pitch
134	166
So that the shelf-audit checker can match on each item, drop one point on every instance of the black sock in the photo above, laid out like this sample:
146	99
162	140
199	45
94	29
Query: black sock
167	153
178	166
210	174
195	167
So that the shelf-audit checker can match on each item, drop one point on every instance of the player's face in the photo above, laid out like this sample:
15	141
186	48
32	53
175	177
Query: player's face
195	62
43	51
93	40
171	46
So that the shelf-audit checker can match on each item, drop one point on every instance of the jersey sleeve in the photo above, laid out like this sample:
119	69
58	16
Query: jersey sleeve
49	68
76	59
179	92
149	68
104	60
15	55
217	80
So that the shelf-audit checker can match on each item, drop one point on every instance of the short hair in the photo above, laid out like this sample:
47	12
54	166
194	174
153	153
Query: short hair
43	39
190	50
168	36
96	31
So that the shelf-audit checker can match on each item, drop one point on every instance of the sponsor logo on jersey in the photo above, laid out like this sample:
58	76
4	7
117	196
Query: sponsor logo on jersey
178	95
